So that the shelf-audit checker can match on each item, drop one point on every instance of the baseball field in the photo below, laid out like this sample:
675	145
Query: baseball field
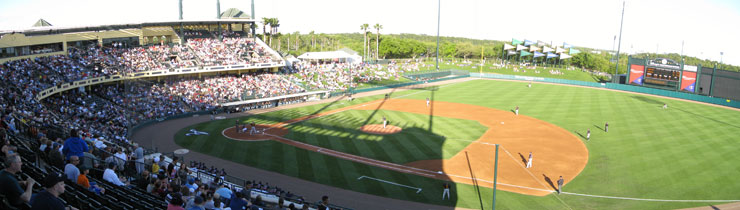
650	158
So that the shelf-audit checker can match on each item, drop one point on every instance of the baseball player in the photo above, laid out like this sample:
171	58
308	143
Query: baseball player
516	111
253	130
446	191
385	122
588	135
560	184
606	127
665	106
529	85
236	126
529	161
427	101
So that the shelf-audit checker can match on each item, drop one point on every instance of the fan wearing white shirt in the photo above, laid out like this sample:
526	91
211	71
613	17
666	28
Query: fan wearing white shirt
110	175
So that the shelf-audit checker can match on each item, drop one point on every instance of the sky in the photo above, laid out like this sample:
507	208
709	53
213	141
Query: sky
706	27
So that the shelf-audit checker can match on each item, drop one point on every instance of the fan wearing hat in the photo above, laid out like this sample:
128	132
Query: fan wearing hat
49	197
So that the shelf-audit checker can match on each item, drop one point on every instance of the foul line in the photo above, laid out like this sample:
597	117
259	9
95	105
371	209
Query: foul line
533	176
418	190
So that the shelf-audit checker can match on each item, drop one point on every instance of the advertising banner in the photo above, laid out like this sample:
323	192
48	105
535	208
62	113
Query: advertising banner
688	81
637	73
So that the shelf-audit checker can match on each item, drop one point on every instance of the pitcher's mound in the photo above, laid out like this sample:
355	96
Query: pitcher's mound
246	136
378	129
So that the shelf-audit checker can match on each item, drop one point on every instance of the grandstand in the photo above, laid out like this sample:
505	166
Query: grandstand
104	80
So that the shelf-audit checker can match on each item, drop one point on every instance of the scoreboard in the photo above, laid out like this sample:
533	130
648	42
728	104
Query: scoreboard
661	76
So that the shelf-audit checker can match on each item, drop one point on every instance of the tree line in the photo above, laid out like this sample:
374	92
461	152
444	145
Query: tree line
401	46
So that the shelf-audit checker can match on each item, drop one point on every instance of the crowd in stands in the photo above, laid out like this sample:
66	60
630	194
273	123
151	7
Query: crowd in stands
100	167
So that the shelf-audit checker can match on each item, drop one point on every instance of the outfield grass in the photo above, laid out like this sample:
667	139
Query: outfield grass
685	152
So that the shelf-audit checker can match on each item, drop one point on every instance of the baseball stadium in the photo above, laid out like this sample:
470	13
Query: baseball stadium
229	113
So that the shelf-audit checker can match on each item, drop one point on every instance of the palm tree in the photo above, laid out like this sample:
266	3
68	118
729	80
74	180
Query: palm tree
274	24
377	27
265	22
313	40
364	41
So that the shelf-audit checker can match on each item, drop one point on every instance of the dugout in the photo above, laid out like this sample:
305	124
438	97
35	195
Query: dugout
662	73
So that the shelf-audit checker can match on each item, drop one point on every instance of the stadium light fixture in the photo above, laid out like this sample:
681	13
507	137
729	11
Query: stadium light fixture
439	9
621	24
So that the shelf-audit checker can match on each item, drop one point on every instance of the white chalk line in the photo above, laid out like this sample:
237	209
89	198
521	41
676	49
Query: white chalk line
418	190
533	176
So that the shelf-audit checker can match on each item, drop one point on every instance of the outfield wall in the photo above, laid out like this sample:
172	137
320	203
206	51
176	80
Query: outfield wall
629	88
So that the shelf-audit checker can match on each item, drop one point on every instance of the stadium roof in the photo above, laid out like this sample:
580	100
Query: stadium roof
32	31
234	13
348	51
41	23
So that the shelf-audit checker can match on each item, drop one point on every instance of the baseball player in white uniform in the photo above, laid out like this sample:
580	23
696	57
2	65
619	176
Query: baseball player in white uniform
516	111
385	122
427	101
588	135
529	161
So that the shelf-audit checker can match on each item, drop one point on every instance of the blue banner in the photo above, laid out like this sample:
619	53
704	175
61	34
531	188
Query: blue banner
566	45
538	54
527	43
552	55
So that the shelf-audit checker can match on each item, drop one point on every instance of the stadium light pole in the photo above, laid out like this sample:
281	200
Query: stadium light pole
619	46
439	9
495	176
254	32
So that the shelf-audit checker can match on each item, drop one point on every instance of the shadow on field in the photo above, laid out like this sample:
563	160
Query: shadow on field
549	181
475	181
647	100
524	160
579	134
702	116
600	128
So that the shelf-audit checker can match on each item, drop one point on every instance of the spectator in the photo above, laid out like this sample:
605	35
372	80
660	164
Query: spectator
10	187
55	156
324	205
74	145
110	175
83	181
155	165
71	169
239	202
197	203
224	192
176	202
139	155
49	197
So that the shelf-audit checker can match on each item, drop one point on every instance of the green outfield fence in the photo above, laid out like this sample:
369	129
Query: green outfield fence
629	88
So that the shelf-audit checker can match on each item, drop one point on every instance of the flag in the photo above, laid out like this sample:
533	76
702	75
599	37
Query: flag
559	50
574	51
515	42
524	53
538	54
511	52
547	49
533	48
564	56
508	47
566	45
527	43
552	55
541	43
519	48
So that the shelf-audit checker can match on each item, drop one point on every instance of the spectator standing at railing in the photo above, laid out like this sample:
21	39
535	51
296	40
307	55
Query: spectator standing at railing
139	155
74	145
